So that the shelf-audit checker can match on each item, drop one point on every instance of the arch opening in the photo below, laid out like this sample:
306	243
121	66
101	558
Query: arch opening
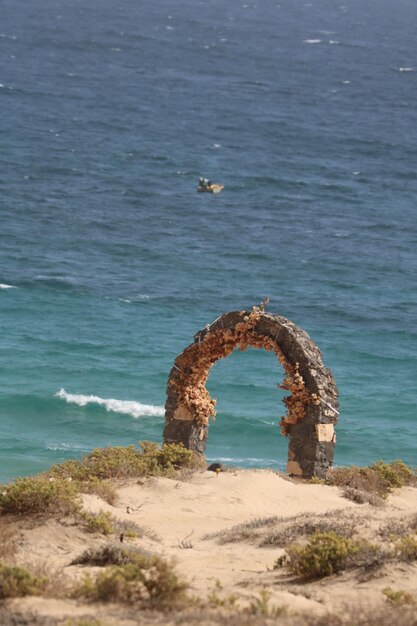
248	405
311	406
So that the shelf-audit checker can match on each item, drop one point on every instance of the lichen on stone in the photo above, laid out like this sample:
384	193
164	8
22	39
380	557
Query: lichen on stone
192	368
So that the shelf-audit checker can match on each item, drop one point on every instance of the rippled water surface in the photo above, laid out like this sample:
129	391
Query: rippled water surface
110	261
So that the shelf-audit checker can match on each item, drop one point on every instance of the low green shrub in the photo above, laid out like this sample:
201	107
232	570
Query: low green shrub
16	582
105	489
168	456
101	522
127	462
406	548
399	597
105	523
147	580
380	478
101	464
396	474
39	494
262	607
325	554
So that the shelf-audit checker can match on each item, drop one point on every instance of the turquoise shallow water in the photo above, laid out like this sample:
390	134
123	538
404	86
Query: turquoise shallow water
110	261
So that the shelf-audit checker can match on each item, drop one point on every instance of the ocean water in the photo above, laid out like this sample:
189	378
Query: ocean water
110	261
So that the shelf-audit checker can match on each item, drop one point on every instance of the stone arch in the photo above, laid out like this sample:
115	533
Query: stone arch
312	406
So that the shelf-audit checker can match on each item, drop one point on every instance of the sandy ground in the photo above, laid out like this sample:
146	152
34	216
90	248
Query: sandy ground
183	517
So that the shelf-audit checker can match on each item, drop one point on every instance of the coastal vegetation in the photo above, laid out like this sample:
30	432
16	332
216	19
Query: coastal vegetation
57	491
105	523
327	553
18	581
378	479
120	563
39	494
150	459
110	554
143	580
398	597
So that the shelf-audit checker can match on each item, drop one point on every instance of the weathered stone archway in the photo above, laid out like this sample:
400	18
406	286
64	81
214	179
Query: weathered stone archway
312	406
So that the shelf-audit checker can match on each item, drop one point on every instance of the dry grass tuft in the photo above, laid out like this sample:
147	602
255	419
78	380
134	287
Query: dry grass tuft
110	554
395	528
406	548
244	531
291	529
84	621
363	497
402	614
357	616
8	541
262	607
280	531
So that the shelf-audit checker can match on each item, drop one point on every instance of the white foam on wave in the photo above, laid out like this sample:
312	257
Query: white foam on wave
127	407
51	277
66	446
4	286
312	40
406	69
245	460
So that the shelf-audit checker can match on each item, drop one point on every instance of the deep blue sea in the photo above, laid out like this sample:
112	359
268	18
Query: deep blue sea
110	261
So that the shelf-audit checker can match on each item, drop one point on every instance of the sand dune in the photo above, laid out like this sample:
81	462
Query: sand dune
183	517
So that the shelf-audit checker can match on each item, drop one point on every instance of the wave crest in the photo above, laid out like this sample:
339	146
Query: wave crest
128	407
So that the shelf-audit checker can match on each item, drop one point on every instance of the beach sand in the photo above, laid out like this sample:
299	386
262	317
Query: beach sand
182	518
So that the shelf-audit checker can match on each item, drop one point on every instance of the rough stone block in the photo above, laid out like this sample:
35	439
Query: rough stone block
325	432
294	468
183	413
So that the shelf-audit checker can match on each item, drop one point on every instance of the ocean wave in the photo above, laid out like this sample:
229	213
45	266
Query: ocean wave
127	407
54	278
4	286
66	446
56	281
247	461
312	41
